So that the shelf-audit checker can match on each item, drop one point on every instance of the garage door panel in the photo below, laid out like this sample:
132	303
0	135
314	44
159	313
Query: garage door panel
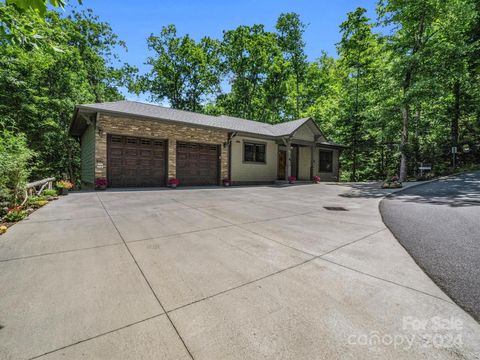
135	161
197	164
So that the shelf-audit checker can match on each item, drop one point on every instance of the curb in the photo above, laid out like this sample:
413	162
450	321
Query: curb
423	183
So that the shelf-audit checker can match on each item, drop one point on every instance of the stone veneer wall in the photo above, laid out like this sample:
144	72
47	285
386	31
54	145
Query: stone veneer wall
123	125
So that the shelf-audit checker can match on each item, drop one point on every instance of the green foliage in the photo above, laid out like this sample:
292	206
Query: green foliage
49	192
40	88
396	97
257	73
22	23
14	171
38	203
184	72
15	215
290	39
38	5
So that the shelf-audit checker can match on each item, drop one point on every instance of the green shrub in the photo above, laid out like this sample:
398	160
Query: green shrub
15	215
33	199
49	192
39	203
14	170
4	201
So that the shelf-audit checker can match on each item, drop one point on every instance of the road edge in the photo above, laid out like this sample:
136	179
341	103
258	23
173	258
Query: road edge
408	252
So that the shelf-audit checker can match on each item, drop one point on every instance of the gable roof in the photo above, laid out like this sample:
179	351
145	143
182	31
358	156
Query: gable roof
139	109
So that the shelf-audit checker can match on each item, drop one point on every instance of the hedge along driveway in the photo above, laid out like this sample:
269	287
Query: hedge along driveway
229	273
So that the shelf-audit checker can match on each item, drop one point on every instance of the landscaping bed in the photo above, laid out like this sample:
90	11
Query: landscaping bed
20	212
10	216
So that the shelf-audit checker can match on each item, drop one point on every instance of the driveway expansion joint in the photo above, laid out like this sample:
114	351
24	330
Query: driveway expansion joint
146	280
248	230
60	252
314	257
97	336
386	280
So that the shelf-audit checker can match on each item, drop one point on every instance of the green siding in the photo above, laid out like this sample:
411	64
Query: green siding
88	155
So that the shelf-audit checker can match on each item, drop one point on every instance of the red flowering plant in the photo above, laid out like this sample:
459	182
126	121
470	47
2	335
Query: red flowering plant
15	214
101	183
392	183
64	184
316	179
292	179
173	182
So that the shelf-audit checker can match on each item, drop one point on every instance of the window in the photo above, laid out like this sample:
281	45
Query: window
325	161
254	152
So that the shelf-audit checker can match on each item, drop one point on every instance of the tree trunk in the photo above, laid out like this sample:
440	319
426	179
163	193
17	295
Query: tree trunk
297	95
416	143
355	129
405	120
354	150
403	143
455	119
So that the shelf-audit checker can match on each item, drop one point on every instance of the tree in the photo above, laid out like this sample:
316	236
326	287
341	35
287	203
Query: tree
415	32
22	21
40	88
453	55
358	50
14	157
256	72
290	39
184	72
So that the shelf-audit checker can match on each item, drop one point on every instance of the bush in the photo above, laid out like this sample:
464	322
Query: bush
14	171
15	214
33	199
4	201
39	203
64	184
49	192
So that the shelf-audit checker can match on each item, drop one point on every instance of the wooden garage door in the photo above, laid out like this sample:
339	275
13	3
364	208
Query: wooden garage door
197	164
133	161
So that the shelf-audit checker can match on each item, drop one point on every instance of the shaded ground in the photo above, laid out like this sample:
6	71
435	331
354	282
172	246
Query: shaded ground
219	273
439	224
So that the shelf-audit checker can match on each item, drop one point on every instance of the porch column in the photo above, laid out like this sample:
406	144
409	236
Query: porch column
288	162
172	158
312	163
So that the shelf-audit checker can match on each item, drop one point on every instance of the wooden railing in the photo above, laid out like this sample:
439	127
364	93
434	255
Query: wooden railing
36	188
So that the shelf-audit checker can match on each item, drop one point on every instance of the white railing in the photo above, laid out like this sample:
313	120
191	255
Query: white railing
37	187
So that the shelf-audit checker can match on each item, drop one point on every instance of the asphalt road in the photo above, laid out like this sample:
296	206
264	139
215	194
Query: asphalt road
439	225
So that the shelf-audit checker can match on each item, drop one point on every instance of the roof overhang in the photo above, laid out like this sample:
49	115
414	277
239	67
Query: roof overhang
331	145
82	112
81	119
85	115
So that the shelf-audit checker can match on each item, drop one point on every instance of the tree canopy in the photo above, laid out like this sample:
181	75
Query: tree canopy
402	89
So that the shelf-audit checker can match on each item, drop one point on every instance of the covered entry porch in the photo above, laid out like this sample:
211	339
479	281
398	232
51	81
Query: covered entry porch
305	159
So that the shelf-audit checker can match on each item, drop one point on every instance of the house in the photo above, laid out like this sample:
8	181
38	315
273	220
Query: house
136	144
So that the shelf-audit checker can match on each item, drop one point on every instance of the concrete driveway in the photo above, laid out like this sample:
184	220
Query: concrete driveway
221	273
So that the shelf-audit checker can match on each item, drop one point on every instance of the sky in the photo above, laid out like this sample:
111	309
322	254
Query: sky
134	21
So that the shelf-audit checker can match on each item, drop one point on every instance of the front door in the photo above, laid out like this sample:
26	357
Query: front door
294	160
282	161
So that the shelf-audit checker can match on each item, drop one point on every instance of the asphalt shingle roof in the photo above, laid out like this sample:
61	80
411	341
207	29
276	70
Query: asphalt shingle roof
222	122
